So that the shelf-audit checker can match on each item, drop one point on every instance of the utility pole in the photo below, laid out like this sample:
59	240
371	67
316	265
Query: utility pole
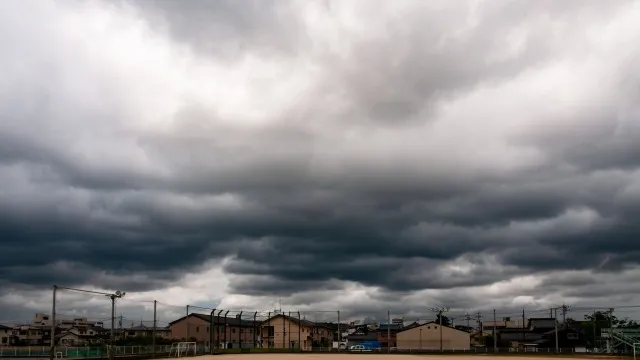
117	295
478	319
495	336
555	323
610	318
388	331
52	353
524	337
187	320
153	341
609	349
468	318
440	311
565	310
593	322
339	331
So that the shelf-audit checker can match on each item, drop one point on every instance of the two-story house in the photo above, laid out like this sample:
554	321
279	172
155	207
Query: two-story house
386	334
283	331
82	335
528	335
8	335
147	331
222	332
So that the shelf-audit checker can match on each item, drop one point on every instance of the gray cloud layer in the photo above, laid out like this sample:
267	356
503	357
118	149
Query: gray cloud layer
361	177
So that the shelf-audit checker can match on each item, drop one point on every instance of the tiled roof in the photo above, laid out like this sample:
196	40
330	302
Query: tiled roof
4	327
415	325
218	320
295	320
145	328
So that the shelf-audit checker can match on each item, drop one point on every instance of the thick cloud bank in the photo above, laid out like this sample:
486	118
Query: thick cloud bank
408	149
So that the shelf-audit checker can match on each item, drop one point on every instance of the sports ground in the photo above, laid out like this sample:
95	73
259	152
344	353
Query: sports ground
348	356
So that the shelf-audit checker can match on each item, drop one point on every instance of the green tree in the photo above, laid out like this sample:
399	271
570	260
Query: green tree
445	320
594	323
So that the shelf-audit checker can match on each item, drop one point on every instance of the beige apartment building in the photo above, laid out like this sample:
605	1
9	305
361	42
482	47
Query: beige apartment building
8	335
232	332
428	336
146	331
282	331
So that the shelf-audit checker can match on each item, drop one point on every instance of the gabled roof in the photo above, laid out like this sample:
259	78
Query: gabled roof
392	327
145	328
98	328
333	326
218	320
301	322
4	327
416	325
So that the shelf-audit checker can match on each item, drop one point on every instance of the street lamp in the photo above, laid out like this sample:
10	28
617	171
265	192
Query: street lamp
113	297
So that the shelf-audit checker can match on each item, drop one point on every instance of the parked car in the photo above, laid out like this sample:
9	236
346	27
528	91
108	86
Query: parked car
358	348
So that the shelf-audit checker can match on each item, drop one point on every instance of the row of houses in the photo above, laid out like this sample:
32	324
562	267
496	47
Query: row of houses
529	334
77	331
283	331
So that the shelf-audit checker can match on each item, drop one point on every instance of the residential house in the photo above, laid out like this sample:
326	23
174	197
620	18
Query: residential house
68	324
506	323
386	334
283	331
30	335
146	331
222	332
337	330
83	335
529	335
432	336
8	335
41	319
568	338
362	334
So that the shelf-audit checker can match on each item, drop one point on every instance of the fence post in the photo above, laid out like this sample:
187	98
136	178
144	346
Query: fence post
212	324
255	329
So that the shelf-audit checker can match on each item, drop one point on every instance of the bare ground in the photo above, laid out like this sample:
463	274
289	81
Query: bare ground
302	356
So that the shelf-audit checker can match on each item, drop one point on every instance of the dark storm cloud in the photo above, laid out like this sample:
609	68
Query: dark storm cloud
295	205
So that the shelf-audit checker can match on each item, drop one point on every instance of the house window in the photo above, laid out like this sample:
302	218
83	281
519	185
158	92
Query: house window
197	329
233	330
572	336
207	331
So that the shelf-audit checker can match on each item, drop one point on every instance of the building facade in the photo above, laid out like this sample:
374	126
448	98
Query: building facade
8	335
221	333
282	331
431	336
146	331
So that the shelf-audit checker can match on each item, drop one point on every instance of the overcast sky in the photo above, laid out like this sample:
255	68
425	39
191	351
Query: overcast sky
325	155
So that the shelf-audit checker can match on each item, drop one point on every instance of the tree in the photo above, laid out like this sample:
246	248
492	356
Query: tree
445	320
594	324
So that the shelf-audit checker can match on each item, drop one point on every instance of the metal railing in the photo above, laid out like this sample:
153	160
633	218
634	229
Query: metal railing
81	351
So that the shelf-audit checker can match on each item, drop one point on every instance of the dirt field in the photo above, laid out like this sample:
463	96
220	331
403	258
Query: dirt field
381	357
